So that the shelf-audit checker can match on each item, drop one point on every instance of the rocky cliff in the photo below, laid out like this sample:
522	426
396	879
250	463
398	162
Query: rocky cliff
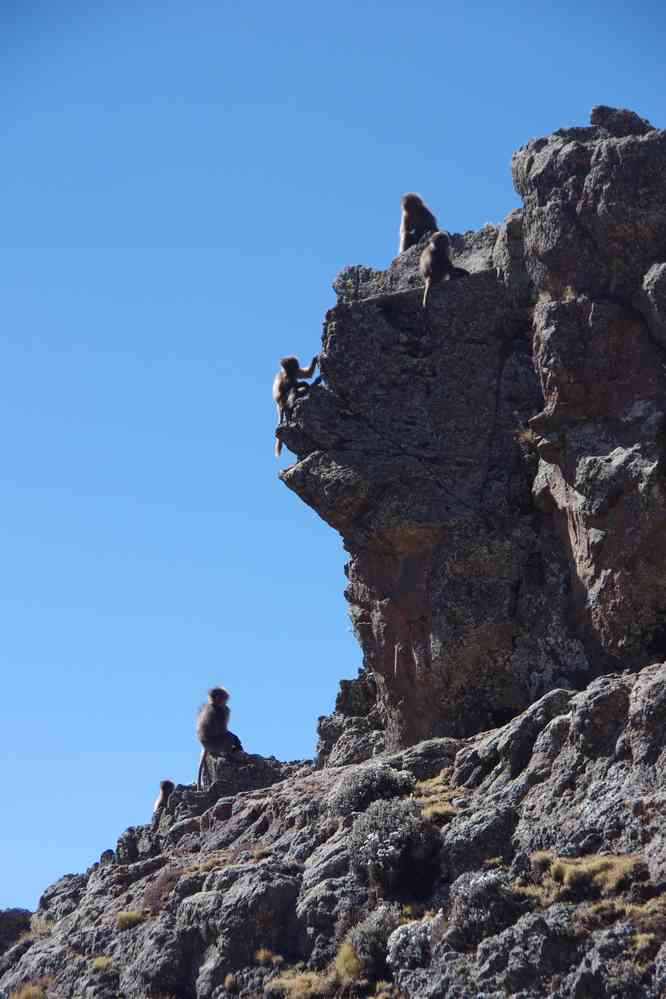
495	465
485	815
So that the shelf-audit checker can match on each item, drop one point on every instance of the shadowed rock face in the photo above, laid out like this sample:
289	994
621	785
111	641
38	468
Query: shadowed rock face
469	596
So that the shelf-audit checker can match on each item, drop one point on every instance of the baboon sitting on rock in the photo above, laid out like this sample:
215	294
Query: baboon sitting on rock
212	730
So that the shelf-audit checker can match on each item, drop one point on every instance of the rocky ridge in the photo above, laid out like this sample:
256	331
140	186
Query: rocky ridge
485	815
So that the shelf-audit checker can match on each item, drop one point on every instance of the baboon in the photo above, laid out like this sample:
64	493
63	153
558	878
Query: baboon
287	389
212	731
416	221
435	263
166	787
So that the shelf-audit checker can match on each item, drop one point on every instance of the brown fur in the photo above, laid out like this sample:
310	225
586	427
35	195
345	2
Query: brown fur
212	722
435	263
287	389
416	221
166	787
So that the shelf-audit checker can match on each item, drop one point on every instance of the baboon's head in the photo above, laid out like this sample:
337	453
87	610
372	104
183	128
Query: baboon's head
411	200
439	239
167	786
290	364
218	696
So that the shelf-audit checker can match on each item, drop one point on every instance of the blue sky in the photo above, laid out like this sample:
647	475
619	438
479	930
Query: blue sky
177	180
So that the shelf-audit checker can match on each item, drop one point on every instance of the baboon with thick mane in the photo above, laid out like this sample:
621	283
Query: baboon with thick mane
212	731
416	220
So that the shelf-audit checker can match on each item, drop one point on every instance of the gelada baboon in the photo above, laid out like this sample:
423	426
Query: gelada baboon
212	731
166	787
287	389
415	222
435	263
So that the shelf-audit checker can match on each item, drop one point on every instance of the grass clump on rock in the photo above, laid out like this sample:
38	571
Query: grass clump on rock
434	795
594	876
32	990
266	956
296	984
128	919
347	963
101	963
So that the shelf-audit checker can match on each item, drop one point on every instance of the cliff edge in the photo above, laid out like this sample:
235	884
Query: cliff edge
495	465
485	817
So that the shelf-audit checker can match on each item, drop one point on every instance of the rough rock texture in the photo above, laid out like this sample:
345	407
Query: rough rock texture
485	570
354	731
486	814
577	774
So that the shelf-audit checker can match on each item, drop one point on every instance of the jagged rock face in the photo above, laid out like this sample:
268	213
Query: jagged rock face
594	205
354	731
595	230
470	596
265	878
408	449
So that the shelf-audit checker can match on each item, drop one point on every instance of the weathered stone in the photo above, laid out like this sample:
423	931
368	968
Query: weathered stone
498	577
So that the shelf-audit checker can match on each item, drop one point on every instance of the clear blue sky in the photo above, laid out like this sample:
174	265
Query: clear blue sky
176	182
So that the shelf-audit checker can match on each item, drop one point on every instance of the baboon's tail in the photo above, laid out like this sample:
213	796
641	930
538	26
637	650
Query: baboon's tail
425	293
278	448
202	763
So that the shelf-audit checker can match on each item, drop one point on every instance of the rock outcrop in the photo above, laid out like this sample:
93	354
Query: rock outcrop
495	464
548	877
485	816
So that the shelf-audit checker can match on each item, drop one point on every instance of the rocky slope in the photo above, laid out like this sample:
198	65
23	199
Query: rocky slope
485	816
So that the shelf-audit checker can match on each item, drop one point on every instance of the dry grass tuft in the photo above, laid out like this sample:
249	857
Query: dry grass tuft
541	862
266	956
129	919
527	437
645	918
413	911
645	945
439	814
347	964
101	963
230	983
605	875
434	797
296	984
215	861
567	878
261	852
387	990
33	990
218	859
